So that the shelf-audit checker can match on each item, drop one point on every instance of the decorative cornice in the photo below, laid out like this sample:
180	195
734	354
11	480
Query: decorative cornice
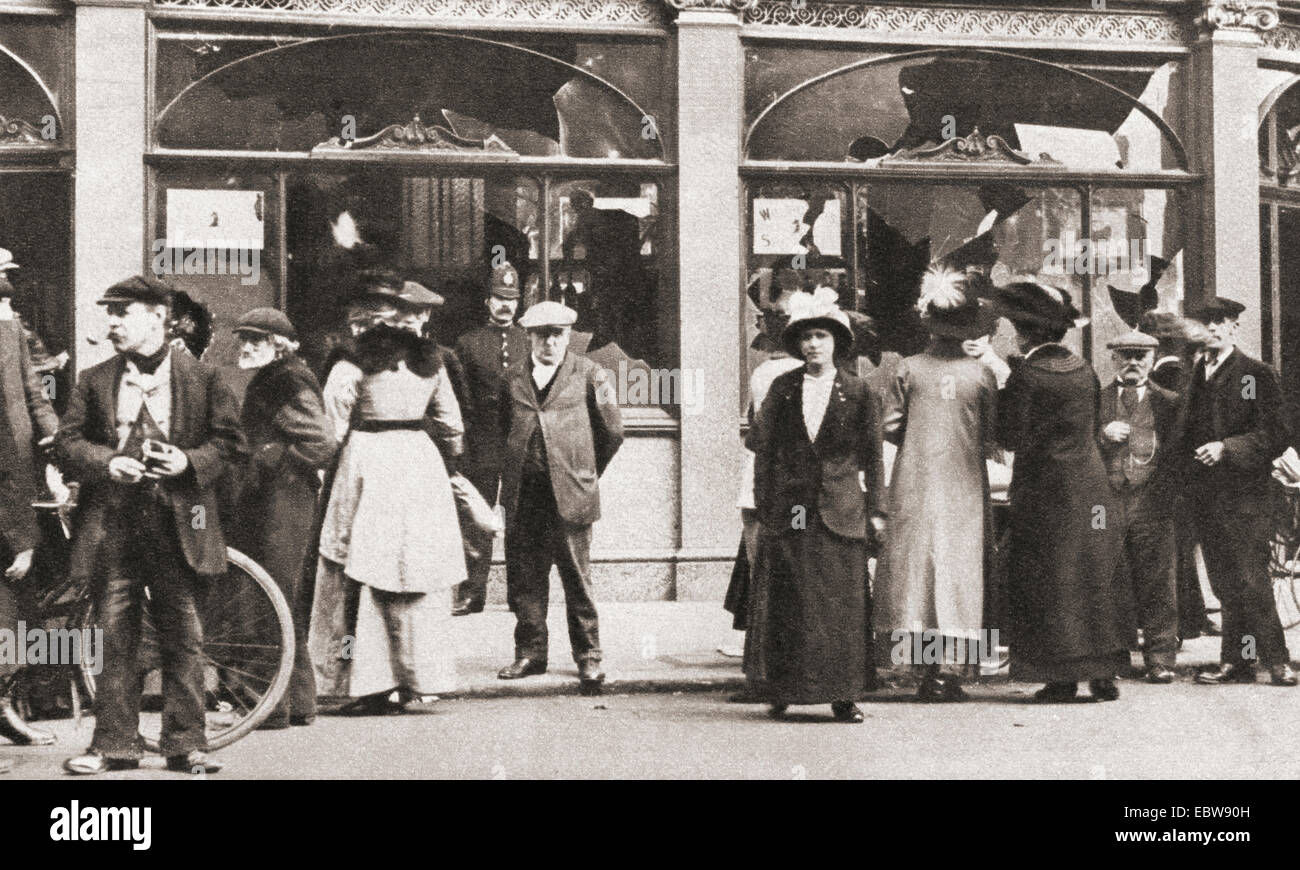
418	137
17	133
720	5
975	148
965	22
1259	16
507	12
1284	39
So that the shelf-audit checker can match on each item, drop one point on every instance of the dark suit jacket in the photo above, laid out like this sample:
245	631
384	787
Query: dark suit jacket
819	476
582	429
30	418
204	423
479	351
1245	403
1164	408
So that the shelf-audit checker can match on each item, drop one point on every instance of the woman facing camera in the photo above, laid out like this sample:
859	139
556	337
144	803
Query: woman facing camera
1065	521
818	484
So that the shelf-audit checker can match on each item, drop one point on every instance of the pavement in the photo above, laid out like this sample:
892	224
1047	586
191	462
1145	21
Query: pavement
662	646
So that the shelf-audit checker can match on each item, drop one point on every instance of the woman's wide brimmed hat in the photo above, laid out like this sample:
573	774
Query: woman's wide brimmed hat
1025	303
951	308
819	311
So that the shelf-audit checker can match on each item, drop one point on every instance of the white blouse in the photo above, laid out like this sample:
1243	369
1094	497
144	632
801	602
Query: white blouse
816	398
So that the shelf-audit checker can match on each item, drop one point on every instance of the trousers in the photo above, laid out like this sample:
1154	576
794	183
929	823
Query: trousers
1235	545
148	556
536	539
486	477
1147	568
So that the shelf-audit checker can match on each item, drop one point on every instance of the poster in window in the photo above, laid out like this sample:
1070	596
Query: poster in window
779	227
215	218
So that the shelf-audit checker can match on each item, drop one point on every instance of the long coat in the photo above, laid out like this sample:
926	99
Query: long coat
204	424
581	428
1245	404
809	636
1066	524
941	410
30	418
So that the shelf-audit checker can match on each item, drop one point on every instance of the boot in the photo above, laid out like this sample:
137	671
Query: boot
17	730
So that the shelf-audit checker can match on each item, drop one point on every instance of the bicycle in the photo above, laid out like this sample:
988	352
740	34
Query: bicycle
1284	555
248	639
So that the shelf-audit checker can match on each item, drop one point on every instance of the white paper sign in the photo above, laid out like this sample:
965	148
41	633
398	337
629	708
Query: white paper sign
779	225
215	218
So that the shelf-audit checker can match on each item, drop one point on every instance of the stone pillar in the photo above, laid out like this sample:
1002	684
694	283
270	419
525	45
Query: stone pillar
111	129
710	114
1225	148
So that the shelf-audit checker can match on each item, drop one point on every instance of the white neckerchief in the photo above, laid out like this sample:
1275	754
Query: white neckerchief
138	388
542	373
816	397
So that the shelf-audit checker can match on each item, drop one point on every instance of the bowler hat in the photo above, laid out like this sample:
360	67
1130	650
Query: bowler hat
1215	308
808	313
139	288
1025	303
267	321
504	282
1133	340
548	313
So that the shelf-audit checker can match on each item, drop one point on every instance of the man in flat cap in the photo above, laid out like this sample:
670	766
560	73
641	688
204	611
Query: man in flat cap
148	433
488	354
1232	430
563	427
289	440
1139	427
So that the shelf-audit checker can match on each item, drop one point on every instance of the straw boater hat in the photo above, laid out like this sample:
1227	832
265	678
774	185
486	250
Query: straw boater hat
1025	303
951	308
816	311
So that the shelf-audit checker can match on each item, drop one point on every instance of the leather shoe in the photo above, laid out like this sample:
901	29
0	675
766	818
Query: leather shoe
1056	693
1282	675
15	727
95	762
846	711
1226	674
591	678
1103	690
1160	674
467	607
524	667
776	711
940	690
195	761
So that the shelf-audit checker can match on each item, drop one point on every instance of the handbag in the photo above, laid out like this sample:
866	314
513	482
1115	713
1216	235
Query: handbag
472	509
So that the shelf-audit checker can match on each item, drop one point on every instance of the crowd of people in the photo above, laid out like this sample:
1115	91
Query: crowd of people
1112	488
367	499
368	495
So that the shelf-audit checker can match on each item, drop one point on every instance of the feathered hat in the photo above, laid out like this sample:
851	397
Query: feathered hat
950	305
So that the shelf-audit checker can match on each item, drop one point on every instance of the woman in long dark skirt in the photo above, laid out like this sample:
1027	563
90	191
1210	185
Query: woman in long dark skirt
1065	521
818	481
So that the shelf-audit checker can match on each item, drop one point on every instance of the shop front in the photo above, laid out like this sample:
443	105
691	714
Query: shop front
666	167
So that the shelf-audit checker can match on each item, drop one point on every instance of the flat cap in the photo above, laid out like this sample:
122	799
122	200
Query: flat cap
548	313
1214	308
267	321
504	282
417	295
1133	340
140	288
7	260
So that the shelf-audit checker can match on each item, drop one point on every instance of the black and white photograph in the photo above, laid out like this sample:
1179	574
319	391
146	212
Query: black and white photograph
651	390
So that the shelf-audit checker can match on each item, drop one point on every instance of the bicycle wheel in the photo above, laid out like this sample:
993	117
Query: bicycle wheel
1285	569
248	648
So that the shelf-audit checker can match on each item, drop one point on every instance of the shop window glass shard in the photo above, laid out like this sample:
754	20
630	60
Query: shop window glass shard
1279	135
1024	111
28	117
346	91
